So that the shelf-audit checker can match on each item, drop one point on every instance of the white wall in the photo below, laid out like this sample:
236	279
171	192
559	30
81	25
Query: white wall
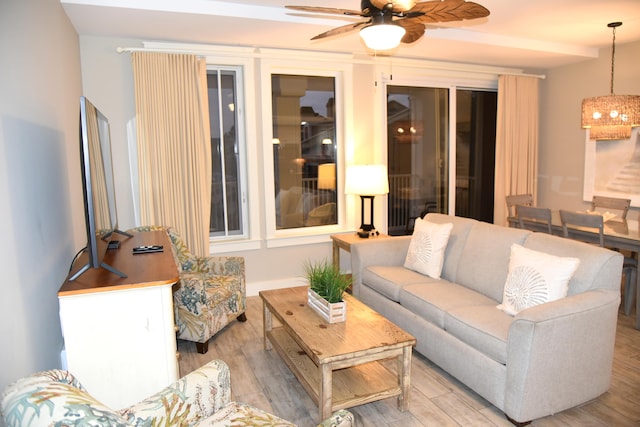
108	82
41	217
562	140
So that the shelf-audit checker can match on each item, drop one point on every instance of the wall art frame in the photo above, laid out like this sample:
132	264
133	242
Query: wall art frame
612	168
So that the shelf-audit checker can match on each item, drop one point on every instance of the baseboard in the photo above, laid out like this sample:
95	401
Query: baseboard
288	282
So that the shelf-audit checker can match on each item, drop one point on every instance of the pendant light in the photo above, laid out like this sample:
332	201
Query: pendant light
611	116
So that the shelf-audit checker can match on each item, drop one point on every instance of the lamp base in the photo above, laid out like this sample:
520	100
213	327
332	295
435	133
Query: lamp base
365	234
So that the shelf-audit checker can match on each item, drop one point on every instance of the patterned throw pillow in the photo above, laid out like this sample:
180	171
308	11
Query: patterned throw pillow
535	278
426	250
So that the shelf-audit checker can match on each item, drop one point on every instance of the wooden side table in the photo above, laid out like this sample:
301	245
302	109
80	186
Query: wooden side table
344	241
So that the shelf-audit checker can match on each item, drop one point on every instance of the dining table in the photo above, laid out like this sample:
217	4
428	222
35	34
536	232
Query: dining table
623	234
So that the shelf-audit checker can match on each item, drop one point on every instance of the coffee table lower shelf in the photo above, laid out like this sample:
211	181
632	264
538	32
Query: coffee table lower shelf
351	386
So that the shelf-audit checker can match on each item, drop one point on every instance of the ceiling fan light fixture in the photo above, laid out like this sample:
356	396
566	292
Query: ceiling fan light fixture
382	36
611	117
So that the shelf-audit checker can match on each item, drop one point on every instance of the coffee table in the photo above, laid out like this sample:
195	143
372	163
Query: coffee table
338	364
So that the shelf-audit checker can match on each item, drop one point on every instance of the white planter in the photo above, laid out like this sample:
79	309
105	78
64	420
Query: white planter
332	313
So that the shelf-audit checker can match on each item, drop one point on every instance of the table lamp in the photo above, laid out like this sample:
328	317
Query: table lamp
367	181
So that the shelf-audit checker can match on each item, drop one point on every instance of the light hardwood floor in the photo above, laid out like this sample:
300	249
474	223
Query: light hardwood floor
261	378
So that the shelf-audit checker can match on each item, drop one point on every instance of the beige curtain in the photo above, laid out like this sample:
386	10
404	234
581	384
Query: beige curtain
174	147
516	141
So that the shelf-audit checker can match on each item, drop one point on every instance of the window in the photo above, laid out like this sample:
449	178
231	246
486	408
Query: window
228	200
304	151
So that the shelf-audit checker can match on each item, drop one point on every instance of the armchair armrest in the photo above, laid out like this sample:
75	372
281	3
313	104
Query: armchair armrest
192	398
560	354
341	418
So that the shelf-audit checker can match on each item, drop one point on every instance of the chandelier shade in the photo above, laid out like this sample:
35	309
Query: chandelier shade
382	36
611	116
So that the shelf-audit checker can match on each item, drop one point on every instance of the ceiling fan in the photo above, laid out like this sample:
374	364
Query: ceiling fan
393	21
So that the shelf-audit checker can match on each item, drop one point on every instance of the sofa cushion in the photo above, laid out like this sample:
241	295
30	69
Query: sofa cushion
484	263
457	240
482	327
431	300
427	247
389	280
535	278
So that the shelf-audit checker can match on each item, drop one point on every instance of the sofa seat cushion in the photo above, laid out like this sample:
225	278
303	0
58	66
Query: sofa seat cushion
389	280
431	300
240	414
483	327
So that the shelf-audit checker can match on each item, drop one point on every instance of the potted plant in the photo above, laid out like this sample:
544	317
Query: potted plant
326	286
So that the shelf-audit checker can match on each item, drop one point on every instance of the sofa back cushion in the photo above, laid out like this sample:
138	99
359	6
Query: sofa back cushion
457	239
599	267
484	262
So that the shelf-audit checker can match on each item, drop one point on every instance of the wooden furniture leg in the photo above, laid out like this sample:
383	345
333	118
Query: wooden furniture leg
404	377
326	385
268	325
202	347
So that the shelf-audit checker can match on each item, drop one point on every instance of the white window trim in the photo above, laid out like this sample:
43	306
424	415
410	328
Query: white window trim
338	67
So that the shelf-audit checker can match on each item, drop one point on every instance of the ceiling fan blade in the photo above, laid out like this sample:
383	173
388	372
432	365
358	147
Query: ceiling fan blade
415	30
398	5
326	10
448	11
340	30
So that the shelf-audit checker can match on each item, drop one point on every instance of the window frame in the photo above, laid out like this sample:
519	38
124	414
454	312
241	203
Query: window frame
246	116
465	80
341	71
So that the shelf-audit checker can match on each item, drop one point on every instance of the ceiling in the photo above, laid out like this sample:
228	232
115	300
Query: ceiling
525	34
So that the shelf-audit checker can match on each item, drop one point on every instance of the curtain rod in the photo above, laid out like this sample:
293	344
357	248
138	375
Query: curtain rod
496	72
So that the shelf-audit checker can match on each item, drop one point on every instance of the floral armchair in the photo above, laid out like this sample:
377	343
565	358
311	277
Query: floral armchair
203	397
211	291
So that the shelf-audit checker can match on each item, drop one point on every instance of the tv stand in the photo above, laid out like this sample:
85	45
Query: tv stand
117	329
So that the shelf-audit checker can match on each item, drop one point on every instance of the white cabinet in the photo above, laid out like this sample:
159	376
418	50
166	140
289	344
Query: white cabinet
120	336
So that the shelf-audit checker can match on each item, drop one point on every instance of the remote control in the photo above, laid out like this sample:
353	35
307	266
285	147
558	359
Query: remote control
147	249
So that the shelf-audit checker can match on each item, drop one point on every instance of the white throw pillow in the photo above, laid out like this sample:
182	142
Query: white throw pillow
535	278
426	250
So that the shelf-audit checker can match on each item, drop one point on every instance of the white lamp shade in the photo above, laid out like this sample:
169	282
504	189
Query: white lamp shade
382	36
367	180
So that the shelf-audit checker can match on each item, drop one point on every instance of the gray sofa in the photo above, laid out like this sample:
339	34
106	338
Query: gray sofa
543	360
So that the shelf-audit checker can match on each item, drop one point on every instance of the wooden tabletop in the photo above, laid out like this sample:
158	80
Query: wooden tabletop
151	269
364	331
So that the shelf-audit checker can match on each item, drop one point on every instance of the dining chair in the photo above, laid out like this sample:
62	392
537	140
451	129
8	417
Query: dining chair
531	217
596	222
514	200
611	203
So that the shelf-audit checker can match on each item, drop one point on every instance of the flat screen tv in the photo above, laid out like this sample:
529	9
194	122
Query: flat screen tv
98	187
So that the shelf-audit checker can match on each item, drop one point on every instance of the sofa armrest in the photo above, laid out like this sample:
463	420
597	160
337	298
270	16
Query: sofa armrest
192	398
368	252
560	354
341	418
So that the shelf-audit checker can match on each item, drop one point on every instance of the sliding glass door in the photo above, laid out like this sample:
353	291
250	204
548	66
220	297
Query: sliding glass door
421	165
